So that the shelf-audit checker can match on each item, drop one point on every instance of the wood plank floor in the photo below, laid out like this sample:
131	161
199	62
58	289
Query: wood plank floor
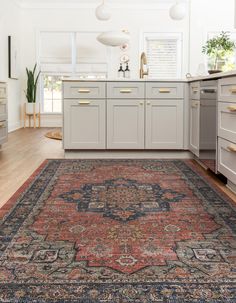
25	150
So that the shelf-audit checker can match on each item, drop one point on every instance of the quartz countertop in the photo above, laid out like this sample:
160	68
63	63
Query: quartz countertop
186	80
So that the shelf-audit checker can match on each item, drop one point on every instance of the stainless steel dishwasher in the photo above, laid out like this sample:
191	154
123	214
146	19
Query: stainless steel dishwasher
208	124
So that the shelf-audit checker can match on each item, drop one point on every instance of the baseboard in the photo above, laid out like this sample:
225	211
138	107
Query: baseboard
14	126
123	154
231	186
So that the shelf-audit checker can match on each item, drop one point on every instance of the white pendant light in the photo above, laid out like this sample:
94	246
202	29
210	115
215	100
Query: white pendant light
103	12
114	38
178	11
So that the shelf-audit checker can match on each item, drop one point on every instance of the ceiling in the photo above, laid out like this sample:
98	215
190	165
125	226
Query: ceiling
93	3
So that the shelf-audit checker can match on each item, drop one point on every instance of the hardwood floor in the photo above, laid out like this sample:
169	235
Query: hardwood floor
25	150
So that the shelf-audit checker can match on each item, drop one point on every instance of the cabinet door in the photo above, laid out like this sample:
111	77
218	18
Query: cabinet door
84	124
164	124
125	124
194	127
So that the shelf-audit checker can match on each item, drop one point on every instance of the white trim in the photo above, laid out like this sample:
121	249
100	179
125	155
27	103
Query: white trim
14	126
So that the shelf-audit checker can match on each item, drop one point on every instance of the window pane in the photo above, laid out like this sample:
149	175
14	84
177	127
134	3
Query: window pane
52	101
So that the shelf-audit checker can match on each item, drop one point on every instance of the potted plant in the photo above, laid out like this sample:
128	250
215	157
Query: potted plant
219	50
31	92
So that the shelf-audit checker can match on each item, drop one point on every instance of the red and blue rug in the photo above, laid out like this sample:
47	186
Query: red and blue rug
118	231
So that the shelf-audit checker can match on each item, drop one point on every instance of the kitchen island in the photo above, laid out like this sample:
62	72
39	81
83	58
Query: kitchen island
147	119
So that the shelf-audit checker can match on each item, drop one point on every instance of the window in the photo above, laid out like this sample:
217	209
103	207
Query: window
164	55
63	54
230	62
52	93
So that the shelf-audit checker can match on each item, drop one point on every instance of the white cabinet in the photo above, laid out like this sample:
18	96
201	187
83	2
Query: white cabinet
84	124
164	124
194	121
125	124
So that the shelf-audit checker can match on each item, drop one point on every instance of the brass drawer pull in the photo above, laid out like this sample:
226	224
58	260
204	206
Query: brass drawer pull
232	108
2	125
194	105
195	90
83	102
164	90
232	148
233	90
125	91
84	91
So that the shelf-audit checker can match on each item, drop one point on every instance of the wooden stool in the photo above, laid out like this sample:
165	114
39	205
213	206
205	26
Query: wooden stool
34	115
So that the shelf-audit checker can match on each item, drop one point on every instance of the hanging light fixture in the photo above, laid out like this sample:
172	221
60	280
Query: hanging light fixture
103	12
178	11
114	38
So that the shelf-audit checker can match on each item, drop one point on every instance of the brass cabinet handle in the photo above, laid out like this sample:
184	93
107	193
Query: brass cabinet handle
84	102
2	125
232	148
232	108
125	91
148	103
233	90
84	91
141	102
195	105
195	90
164	90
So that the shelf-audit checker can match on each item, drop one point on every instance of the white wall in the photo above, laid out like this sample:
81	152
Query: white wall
206	15
10	26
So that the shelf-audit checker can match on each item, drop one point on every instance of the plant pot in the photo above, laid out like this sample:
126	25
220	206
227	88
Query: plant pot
214	71
32	108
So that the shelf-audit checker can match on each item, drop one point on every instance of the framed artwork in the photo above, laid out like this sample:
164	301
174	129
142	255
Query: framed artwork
12	58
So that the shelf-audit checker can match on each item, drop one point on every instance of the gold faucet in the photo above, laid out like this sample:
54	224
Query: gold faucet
143	62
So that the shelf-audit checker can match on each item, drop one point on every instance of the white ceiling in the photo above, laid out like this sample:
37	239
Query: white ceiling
94	3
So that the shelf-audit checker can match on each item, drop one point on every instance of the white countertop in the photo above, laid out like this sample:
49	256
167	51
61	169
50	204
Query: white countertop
198	78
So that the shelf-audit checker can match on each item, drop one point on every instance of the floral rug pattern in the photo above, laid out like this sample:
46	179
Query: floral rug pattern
118	231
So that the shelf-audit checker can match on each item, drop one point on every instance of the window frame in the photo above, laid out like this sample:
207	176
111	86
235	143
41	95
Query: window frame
165	35
74	63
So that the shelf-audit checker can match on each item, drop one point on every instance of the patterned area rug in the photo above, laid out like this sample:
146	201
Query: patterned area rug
118	231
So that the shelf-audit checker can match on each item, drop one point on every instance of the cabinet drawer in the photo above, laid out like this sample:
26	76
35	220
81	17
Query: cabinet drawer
125	90
3	109
227	159
227	89
84	90
195	91
164	90
3	131
227	121
3	91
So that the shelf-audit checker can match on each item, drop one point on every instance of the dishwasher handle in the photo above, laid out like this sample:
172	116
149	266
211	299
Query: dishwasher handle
209	91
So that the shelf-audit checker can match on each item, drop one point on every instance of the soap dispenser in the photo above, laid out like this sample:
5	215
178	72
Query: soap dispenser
121	71
127	71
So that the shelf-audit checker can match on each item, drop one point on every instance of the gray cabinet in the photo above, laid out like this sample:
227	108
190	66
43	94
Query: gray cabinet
194	126
3	113
227	129
164	124
84	120
125	124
